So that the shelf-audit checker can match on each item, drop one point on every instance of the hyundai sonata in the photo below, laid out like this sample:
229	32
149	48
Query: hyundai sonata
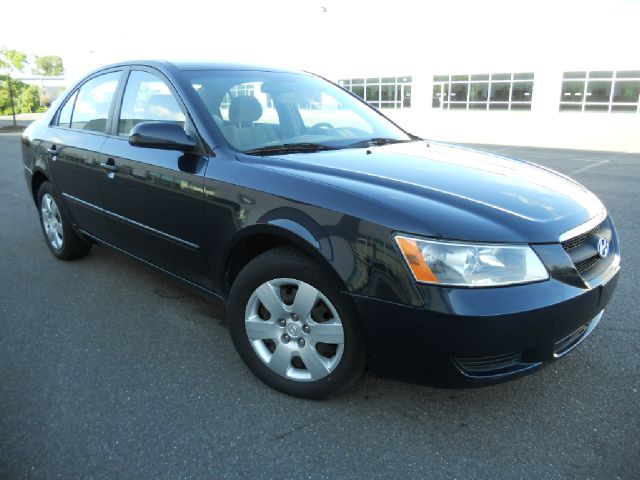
338	240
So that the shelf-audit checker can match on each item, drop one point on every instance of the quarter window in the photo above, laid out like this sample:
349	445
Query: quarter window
497	91
64	118
601	91
147	98
93	103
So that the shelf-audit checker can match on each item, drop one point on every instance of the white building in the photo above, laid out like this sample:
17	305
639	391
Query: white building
550	74
594	106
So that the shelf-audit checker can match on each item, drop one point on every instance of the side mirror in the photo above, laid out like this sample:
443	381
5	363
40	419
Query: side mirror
162	135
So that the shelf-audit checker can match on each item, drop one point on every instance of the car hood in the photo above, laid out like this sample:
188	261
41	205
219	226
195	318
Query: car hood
455	192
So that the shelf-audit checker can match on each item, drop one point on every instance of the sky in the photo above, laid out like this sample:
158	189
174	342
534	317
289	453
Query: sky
328	37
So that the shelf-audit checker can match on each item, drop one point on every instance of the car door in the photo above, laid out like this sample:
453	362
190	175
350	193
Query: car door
76	137
154	197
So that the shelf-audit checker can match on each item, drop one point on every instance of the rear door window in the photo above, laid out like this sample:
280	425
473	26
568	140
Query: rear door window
92	106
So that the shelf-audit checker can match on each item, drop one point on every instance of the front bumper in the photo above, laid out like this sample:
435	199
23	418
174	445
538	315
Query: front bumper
464	335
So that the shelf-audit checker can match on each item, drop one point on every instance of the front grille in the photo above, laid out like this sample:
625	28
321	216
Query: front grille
489	364
585	265
582	249
578	241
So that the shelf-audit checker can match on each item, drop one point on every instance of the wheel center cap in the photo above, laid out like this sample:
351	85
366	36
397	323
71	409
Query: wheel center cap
293	330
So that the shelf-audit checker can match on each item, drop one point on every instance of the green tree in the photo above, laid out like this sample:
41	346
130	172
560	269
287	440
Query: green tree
27	97
12	60
5	99
49	65
28	101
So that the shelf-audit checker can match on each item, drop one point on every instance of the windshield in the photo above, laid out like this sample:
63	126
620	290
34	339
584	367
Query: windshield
264	112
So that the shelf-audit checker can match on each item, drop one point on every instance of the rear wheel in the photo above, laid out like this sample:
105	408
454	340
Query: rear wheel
293	327
63	242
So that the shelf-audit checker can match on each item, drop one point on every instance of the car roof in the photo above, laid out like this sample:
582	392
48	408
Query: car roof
200	65
228	66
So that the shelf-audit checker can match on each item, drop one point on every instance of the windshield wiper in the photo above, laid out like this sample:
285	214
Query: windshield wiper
376	141
303	147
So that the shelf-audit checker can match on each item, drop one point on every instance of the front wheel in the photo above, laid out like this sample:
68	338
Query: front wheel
293	327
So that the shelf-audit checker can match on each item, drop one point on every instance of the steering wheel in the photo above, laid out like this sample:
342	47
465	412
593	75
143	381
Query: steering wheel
318	127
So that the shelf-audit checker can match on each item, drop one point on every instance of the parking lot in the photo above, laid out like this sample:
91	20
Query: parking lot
111	370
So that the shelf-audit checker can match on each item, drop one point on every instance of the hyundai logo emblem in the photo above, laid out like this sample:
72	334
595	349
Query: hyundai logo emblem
603	247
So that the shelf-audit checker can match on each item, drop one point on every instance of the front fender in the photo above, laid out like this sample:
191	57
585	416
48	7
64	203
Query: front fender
361	262
297	229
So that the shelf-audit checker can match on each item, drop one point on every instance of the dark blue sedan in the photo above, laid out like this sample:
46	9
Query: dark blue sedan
338	240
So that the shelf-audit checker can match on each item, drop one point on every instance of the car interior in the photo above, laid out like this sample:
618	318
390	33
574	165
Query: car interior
255	114
242	130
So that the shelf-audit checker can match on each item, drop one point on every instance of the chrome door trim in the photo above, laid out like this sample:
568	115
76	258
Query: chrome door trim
129	221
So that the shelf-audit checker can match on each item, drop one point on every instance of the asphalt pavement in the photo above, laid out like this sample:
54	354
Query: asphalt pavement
111	370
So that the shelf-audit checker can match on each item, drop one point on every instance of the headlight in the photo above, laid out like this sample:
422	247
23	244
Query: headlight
471	264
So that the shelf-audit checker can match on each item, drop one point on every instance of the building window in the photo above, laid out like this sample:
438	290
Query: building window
600	92
381	92
497	91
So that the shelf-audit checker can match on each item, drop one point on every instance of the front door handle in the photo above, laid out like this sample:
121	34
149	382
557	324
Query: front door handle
109	166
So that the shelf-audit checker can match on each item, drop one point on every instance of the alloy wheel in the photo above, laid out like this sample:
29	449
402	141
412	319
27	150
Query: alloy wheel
52	221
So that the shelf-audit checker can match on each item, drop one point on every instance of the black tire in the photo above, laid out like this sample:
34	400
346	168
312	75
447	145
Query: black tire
279	265
68	245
